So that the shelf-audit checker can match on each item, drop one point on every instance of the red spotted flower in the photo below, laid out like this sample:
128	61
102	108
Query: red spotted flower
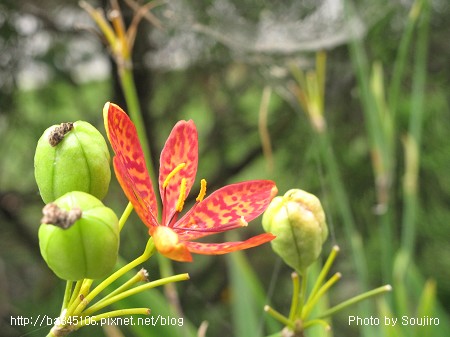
227	208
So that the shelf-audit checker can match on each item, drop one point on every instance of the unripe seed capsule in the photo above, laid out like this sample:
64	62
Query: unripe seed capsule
79	237
298	221
72	157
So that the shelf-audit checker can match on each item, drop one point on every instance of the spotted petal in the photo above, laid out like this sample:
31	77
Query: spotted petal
229	207
129	163
181	147
228	247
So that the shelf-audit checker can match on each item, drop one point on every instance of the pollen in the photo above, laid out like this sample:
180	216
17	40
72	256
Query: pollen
177	169
202	192
182	196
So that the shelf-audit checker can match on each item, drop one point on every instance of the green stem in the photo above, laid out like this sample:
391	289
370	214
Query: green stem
141	275
115	313
134	109
148	252
354	300
126	213
324	272
67	295
402	55
75	292
415	130
313	322
295	296
343	206
84	290
279	317
313	300
302	295
136	290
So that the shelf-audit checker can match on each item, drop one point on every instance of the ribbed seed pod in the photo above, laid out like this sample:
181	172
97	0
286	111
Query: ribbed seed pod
72	157
79	237
298	221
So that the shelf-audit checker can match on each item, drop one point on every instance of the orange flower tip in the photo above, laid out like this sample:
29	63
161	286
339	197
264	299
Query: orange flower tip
168	244
242	222
271	236
148	312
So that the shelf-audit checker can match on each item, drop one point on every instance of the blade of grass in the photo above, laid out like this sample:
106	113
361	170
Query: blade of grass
248	298
415	132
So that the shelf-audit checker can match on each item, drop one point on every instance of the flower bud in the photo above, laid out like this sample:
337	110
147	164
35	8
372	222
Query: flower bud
79	237
298	221
72	157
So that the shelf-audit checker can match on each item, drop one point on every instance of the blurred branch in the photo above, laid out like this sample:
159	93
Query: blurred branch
10	207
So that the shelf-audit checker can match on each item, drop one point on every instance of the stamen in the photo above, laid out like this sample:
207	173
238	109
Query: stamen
182	196
171	174
202	192
242	222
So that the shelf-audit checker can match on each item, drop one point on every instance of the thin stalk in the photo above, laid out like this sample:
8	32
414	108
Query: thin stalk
295	296
324	272
354	300
279	317
141	275
76	292
415	131
343	207
402	55
148	252
134	109
380	149
134	291
67	295
321	322
126	213
115	313
312	302
302	295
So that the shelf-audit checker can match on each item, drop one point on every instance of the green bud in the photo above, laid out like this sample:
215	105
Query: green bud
79	237
72	157
298	221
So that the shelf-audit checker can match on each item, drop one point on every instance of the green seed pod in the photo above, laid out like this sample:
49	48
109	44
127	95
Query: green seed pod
79	237
298	221
72	157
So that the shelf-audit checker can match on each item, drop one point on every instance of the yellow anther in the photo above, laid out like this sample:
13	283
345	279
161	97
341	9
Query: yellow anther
171	174
182	196
202	192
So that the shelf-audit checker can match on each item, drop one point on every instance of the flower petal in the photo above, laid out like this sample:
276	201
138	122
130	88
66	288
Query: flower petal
228	247
129	163
226	208
181	147
167	243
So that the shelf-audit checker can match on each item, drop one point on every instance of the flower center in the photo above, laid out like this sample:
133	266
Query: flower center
182	195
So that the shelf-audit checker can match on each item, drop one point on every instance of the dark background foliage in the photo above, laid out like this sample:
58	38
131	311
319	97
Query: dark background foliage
53	68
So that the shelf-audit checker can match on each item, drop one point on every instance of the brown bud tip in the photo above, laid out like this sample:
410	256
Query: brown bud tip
53	215
58	133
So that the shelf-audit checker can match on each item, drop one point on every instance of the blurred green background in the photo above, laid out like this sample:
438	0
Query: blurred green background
210	61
